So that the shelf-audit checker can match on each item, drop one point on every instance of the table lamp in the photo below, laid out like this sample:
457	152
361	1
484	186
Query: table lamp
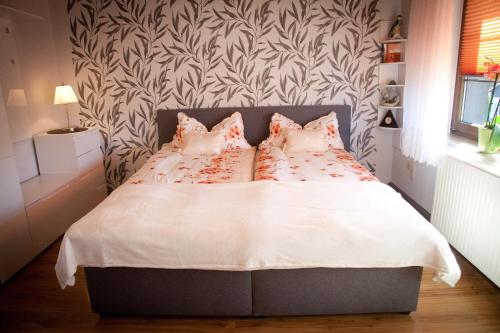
65	95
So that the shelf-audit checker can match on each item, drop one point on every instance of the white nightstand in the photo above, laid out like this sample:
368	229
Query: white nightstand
73	153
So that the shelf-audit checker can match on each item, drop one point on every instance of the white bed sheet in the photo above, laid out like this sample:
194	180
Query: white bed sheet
255	225
170	166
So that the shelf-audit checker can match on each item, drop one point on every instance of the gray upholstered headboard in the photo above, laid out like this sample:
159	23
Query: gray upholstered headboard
256	119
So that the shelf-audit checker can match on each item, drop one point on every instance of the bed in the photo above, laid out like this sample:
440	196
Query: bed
246	291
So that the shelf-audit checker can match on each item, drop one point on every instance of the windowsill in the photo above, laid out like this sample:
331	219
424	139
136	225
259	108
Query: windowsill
467	151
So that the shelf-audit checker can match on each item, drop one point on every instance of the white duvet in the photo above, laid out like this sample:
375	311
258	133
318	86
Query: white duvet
170	166
252	226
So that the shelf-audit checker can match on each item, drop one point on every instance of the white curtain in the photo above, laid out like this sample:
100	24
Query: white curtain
431	64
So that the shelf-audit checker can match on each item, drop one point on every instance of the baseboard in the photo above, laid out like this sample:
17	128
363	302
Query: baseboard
412	202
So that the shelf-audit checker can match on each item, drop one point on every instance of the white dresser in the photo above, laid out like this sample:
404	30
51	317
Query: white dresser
37	212
70	184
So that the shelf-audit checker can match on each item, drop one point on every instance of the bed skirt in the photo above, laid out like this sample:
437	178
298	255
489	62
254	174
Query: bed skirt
283	292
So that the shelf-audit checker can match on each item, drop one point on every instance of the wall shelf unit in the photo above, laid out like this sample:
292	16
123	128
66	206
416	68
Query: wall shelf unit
391	85
389	128
393	63
392	72
391	41
391	77
400	107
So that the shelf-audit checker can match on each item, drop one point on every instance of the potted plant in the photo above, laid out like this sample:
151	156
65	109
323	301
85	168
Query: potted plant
487	134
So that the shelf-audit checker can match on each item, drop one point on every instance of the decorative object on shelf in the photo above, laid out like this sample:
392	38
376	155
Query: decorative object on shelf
392	52
65	95
389	97
395	32
389	120
488	134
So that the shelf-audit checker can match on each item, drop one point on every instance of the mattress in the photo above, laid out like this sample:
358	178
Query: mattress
333	165
170	166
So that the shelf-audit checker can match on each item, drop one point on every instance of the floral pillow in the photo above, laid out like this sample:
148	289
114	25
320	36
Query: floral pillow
234	132
185	125
330	125
280	124
277	130
232	127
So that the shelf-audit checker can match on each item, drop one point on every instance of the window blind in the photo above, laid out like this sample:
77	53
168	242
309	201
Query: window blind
480	36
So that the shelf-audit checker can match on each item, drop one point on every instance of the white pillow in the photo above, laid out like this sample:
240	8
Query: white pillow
307	140
211	143
279	124
232	126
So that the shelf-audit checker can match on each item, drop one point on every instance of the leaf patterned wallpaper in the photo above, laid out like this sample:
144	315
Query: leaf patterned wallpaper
133	57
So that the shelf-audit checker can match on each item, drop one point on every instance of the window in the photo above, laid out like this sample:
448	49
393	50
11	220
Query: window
472	103
479	42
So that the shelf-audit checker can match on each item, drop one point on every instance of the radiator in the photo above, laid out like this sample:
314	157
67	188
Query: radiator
466	211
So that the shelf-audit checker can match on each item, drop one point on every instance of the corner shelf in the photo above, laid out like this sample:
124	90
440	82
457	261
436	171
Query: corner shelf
393	63
399	107
391	85
394	72
389	128
388	41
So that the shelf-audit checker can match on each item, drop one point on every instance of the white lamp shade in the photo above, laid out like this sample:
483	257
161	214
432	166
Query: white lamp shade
16	98
65	95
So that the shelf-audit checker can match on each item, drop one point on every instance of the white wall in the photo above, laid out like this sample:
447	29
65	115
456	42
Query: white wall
415	179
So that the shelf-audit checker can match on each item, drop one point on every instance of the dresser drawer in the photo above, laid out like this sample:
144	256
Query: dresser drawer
92	188
16	249
51	216
86	142
97	195
89	161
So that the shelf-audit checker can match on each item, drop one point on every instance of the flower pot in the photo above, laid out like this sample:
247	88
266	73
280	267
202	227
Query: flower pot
494	143
488	140
483	137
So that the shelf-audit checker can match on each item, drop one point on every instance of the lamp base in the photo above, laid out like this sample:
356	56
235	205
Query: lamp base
67	130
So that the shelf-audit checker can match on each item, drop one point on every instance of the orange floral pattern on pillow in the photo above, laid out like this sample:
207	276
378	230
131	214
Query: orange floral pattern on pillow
234	132
336	164
280	124
277	130
185	125
232	127
330	124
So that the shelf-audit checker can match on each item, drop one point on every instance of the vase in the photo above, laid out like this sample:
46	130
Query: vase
488	140
483	137
494	143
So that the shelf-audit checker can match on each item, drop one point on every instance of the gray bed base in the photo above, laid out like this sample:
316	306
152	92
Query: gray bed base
279	292
315	291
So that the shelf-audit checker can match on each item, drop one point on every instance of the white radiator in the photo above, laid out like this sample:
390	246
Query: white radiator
466	211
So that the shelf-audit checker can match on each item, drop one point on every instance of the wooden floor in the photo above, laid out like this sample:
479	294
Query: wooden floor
32	301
